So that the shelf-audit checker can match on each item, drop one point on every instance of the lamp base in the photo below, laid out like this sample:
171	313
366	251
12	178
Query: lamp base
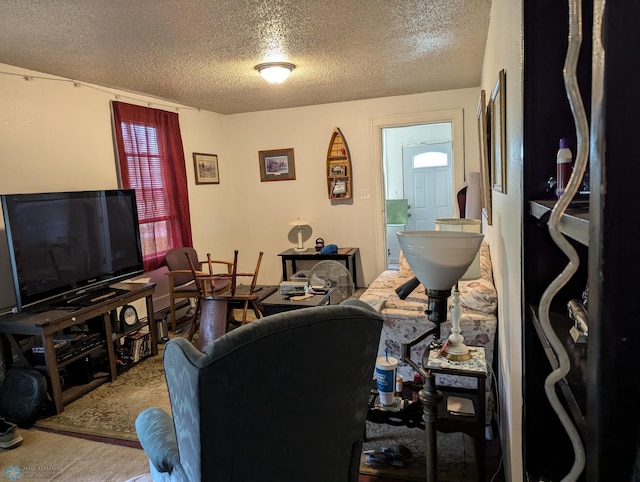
298	248
452	357
456	351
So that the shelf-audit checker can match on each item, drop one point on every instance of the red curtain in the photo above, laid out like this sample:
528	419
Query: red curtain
151	159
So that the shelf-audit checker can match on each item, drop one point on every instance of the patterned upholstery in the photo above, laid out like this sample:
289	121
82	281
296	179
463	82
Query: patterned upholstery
405	319
278	399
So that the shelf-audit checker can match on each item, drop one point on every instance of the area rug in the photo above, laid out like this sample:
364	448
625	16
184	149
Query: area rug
110	410
48	456
108	413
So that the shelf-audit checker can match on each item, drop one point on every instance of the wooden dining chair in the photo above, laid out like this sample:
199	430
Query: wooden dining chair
181	279
208	283
251	299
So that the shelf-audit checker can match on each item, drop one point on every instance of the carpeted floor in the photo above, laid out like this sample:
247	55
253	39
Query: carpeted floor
108	413
456	458
49	456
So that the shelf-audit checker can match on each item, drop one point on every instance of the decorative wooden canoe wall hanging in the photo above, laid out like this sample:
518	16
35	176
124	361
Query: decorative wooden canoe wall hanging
338	167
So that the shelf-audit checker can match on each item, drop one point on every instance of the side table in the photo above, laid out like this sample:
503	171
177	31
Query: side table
473	425
347	255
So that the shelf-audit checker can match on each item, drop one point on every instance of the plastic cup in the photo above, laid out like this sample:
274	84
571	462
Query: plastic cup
386	378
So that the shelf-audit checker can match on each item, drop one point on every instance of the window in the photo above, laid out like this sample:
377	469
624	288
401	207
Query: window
430	159
151	160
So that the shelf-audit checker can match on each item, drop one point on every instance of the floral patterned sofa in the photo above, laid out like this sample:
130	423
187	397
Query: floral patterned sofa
405	319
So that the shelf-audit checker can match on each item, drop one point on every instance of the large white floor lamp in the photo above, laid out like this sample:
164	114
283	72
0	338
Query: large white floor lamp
438	259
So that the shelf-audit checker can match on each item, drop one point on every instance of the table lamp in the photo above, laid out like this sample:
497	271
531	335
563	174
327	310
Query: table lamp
298	223
439	259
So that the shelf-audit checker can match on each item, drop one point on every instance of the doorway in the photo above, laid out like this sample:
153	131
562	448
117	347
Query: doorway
416	163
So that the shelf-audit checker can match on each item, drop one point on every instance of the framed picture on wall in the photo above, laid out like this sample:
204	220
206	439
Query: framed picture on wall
485	175
206	168
497	133
277	165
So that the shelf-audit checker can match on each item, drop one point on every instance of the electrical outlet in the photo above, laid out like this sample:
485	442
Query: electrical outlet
364	194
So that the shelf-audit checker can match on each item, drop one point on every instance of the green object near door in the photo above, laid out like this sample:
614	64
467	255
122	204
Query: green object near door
397	211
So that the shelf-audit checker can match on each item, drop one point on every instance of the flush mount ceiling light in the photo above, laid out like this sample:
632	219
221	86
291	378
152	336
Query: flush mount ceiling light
275	72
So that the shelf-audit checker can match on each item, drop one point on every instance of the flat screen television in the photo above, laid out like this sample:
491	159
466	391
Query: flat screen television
65	246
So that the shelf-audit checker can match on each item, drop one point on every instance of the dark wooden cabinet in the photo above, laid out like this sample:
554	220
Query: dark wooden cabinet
602	390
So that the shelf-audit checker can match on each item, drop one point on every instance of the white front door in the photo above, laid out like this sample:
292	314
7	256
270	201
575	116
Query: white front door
427	172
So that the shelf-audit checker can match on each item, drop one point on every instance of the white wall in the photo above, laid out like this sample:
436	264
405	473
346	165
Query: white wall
55	136
267	207
504	50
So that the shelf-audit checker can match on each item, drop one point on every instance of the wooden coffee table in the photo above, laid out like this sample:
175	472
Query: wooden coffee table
276	303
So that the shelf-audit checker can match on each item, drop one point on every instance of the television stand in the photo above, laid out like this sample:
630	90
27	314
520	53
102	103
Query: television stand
46	324
93	296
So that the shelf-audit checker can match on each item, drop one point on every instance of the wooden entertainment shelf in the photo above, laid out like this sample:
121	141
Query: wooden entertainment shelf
46	324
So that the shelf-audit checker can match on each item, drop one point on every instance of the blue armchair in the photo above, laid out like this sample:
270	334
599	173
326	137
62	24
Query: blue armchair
280	399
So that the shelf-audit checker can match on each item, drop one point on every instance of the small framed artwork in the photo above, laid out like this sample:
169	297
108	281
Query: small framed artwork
338	170
497	132
206	168
277	165
485	175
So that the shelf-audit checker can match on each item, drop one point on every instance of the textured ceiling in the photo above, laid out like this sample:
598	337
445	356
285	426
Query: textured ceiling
202	53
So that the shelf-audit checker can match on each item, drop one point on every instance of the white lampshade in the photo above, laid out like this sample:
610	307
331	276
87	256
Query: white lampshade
439	258
467	226
275	72
299	222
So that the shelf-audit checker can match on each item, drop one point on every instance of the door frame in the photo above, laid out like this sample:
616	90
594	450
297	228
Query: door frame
456	117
